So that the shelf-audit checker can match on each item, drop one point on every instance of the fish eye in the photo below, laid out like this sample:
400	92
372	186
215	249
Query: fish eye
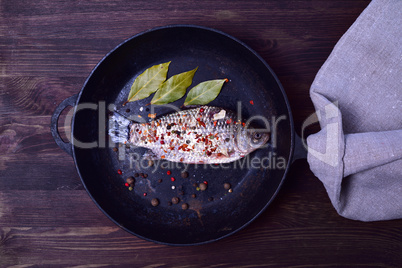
257	135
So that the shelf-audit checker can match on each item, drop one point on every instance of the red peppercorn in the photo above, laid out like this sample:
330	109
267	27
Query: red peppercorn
168	172
162	142
172	179
145	194
252	102
126	184
119	172
201	110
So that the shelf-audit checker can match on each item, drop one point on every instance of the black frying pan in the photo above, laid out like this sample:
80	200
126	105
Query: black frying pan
214	213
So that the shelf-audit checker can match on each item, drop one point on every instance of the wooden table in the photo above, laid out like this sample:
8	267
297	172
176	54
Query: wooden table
48	48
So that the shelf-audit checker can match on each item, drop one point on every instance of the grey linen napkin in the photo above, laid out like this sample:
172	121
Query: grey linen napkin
357	95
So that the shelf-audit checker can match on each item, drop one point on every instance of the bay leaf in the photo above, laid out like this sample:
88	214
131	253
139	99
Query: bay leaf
148	82
204	92
174	88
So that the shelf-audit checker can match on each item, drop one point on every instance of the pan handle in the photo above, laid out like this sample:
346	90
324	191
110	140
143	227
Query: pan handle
300	151
66	146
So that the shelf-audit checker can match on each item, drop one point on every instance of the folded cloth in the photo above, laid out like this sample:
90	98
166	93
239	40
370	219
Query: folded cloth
357	95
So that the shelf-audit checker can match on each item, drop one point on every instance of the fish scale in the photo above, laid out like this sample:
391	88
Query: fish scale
205	134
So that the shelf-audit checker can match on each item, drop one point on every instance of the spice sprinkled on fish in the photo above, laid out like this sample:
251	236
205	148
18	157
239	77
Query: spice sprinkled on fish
205	134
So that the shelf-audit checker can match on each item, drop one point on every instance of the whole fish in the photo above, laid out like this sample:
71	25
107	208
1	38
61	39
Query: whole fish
205	134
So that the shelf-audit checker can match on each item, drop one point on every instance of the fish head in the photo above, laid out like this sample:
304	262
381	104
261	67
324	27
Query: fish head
248	140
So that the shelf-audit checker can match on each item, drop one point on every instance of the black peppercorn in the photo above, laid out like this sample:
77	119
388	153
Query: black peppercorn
175	200
202	186
130	180
154	202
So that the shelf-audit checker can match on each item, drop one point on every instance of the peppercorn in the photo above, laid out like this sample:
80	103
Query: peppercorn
119	172
175	200
184	206
193	195
160	180
136	174
145	175
115	149
169	203
202	186
154	202
142	175
127	110
184	174
130	180
227	186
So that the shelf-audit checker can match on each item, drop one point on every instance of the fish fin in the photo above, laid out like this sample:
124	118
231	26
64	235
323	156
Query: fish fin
119	128
150	155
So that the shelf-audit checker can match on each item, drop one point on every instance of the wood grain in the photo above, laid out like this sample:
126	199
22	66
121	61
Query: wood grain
48	48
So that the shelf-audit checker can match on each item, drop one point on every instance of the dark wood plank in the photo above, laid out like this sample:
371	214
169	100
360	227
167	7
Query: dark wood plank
48	48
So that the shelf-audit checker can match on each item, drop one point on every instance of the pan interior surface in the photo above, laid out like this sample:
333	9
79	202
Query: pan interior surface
214	213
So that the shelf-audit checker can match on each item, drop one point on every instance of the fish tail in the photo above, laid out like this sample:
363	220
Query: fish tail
119	128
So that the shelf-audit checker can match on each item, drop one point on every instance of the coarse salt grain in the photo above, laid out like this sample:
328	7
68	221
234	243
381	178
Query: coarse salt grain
220	115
